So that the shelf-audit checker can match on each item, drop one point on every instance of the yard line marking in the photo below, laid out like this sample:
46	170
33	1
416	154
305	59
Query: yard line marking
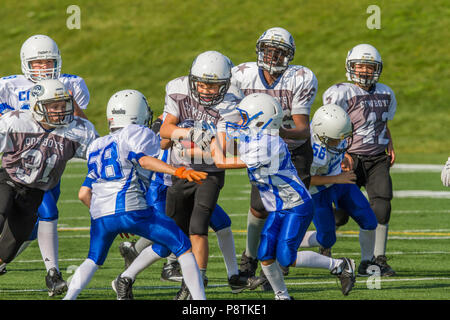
404	167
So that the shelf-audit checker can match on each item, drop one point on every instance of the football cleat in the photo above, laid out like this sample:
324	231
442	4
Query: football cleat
123	287
3	269
265	284
55	283
278	296
183	293
345	272
171	272
386	270
240	282
248	265
128	252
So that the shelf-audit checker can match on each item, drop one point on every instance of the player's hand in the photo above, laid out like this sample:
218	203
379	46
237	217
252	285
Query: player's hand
191	175
346	177
391	153
347	163
125	235
445	174
200	137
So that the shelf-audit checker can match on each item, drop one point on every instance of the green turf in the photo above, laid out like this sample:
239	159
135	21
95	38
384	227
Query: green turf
143	45
417	250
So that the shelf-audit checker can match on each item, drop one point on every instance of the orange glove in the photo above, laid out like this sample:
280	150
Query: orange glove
190	175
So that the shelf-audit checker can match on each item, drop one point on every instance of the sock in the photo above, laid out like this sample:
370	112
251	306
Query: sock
226	244
310	259
275	277
146	258
367	243
141	244
381	235
254	228
80	279
192	277
171	258
310	240
48	243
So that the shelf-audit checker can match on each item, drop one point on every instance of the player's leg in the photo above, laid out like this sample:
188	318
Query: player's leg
167	237
323	220
102	234
47	236
379	190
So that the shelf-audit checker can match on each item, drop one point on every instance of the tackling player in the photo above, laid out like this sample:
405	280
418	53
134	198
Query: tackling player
36	146
41	59
370	105
115	193
285	197
295	88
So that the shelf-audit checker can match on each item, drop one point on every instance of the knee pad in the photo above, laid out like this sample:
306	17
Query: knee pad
219	219
382	209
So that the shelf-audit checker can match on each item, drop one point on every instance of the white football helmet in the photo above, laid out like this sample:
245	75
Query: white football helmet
46	92
210	67
128	107
332	122
275	48
259	111
40	47
364	54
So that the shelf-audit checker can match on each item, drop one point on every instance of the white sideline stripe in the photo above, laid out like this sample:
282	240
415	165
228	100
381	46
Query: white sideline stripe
225	285
406	167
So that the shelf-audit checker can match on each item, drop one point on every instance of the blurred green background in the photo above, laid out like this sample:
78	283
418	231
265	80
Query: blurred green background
144	44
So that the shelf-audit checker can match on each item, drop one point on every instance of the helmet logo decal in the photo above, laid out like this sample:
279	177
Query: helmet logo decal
37	90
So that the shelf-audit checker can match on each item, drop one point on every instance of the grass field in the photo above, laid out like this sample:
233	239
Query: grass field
418	250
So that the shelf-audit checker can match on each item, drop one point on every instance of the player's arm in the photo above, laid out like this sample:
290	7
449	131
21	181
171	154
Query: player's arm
78	111
219	154
169	129
342	178
390	146
301	130
85	195
154	164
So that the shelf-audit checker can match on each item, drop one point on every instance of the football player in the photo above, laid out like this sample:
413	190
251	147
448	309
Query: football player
271	170
41	59
445	174
331	126
203	96
370	105
219	222
36	146
114	191
295	88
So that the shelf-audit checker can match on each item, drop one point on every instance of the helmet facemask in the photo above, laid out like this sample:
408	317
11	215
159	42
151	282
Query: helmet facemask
55	118
337	148
36	75
274	56
208	99
365	79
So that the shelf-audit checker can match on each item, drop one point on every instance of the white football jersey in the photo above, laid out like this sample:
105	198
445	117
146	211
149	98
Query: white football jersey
369	112
271	170
324	163
15	91
179	103
36	157
119	183
295	90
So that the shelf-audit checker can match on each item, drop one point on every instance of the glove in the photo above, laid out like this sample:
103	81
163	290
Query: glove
445	174
190	175
202	135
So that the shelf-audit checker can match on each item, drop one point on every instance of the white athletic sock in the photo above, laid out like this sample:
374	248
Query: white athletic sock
311	259
310	240
226	245
254	228
48	243
171	258
141	244
192	277
275	277
146	258
381	239
80	279
367	243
